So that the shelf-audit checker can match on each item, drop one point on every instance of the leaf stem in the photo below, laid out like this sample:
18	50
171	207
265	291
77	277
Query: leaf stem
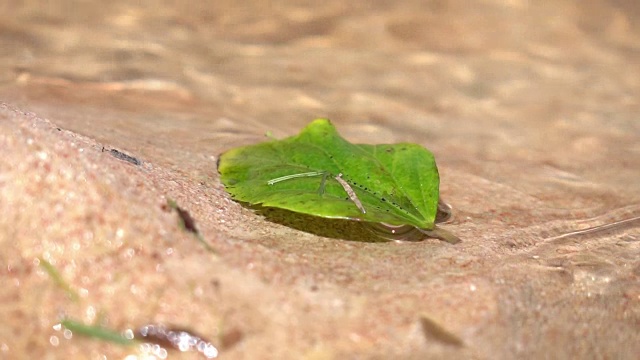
442	234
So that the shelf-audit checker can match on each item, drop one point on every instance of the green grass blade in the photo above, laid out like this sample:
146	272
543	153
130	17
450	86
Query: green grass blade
96	332
58	280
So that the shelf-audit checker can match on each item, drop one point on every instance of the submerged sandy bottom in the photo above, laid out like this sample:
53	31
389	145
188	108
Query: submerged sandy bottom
531	112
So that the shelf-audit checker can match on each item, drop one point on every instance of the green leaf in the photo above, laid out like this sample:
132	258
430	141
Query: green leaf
315	172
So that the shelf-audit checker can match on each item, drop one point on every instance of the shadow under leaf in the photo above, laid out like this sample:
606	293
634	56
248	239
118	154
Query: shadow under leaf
330	228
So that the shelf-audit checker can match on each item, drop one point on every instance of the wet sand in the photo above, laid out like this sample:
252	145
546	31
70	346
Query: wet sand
531	111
